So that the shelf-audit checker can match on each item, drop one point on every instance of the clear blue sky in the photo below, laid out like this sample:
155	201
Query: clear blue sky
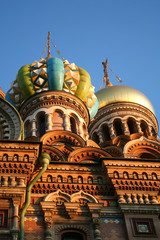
127	32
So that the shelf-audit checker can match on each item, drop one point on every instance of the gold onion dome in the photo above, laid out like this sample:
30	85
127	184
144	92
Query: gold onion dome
121	93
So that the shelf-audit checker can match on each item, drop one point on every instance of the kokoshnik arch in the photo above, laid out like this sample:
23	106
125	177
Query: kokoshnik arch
76	164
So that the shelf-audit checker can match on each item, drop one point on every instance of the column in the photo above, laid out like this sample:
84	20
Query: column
139	127
100	135
49	121
15	214
34	129
67	122
125	127
111	129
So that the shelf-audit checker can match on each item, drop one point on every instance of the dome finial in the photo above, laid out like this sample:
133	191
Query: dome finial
106	76
48	45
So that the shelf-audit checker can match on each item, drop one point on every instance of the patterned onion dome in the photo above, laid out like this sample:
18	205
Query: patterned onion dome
121	93
53	74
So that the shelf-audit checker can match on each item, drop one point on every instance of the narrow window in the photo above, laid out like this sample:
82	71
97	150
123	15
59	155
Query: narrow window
106	132
131	126
73	125
118	127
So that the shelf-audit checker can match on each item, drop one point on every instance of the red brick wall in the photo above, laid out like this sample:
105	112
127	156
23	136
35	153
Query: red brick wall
34	228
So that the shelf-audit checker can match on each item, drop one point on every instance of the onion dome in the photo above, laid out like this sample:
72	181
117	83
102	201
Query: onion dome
53	74
121	93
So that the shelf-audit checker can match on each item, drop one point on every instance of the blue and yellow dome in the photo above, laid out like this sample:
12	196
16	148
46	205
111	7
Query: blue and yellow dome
121	93
53	74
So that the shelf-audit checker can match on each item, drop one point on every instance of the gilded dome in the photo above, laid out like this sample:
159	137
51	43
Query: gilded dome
121	93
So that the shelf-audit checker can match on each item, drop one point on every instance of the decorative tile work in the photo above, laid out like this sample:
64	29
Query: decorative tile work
113	229
112	220
143	227
34	227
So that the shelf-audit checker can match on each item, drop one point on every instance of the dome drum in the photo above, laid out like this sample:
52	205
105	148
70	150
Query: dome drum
54	111
122	119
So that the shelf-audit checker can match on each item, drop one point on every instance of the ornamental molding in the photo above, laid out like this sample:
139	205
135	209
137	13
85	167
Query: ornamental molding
52	137
138	145
88	154
54	98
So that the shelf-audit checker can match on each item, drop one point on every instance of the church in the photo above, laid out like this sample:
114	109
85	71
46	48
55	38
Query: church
75	164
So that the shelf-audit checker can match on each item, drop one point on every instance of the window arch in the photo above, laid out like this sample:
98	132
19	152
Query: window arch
41	124
80	179
154	176
118	127
144	128
70	179
49	178
90	180
59	179
131	125
106	133
100	180
144	175
125	175
135	175
116	174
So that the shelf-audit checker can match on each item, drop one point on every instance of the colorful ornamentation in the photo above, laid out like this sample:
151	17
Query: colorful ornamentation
53	74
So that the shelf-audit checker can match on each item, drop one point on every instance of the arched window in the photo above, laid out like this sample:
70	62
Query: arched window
80	179
118	127
70	179
131	125
135	175
49	178
125	175
116	174
100	180
73	125
72	236
144	128
154	176
59	179
95	137
26	158
144	175
90	180
41	124
5	157
106	133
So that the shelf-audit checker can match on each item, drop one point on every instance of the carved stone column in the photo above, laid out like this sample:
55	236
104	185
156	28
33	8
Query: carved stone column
48	233
15	214
49	121
34	129
111	129
139	127
67	122
80	129
125	127
100	135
